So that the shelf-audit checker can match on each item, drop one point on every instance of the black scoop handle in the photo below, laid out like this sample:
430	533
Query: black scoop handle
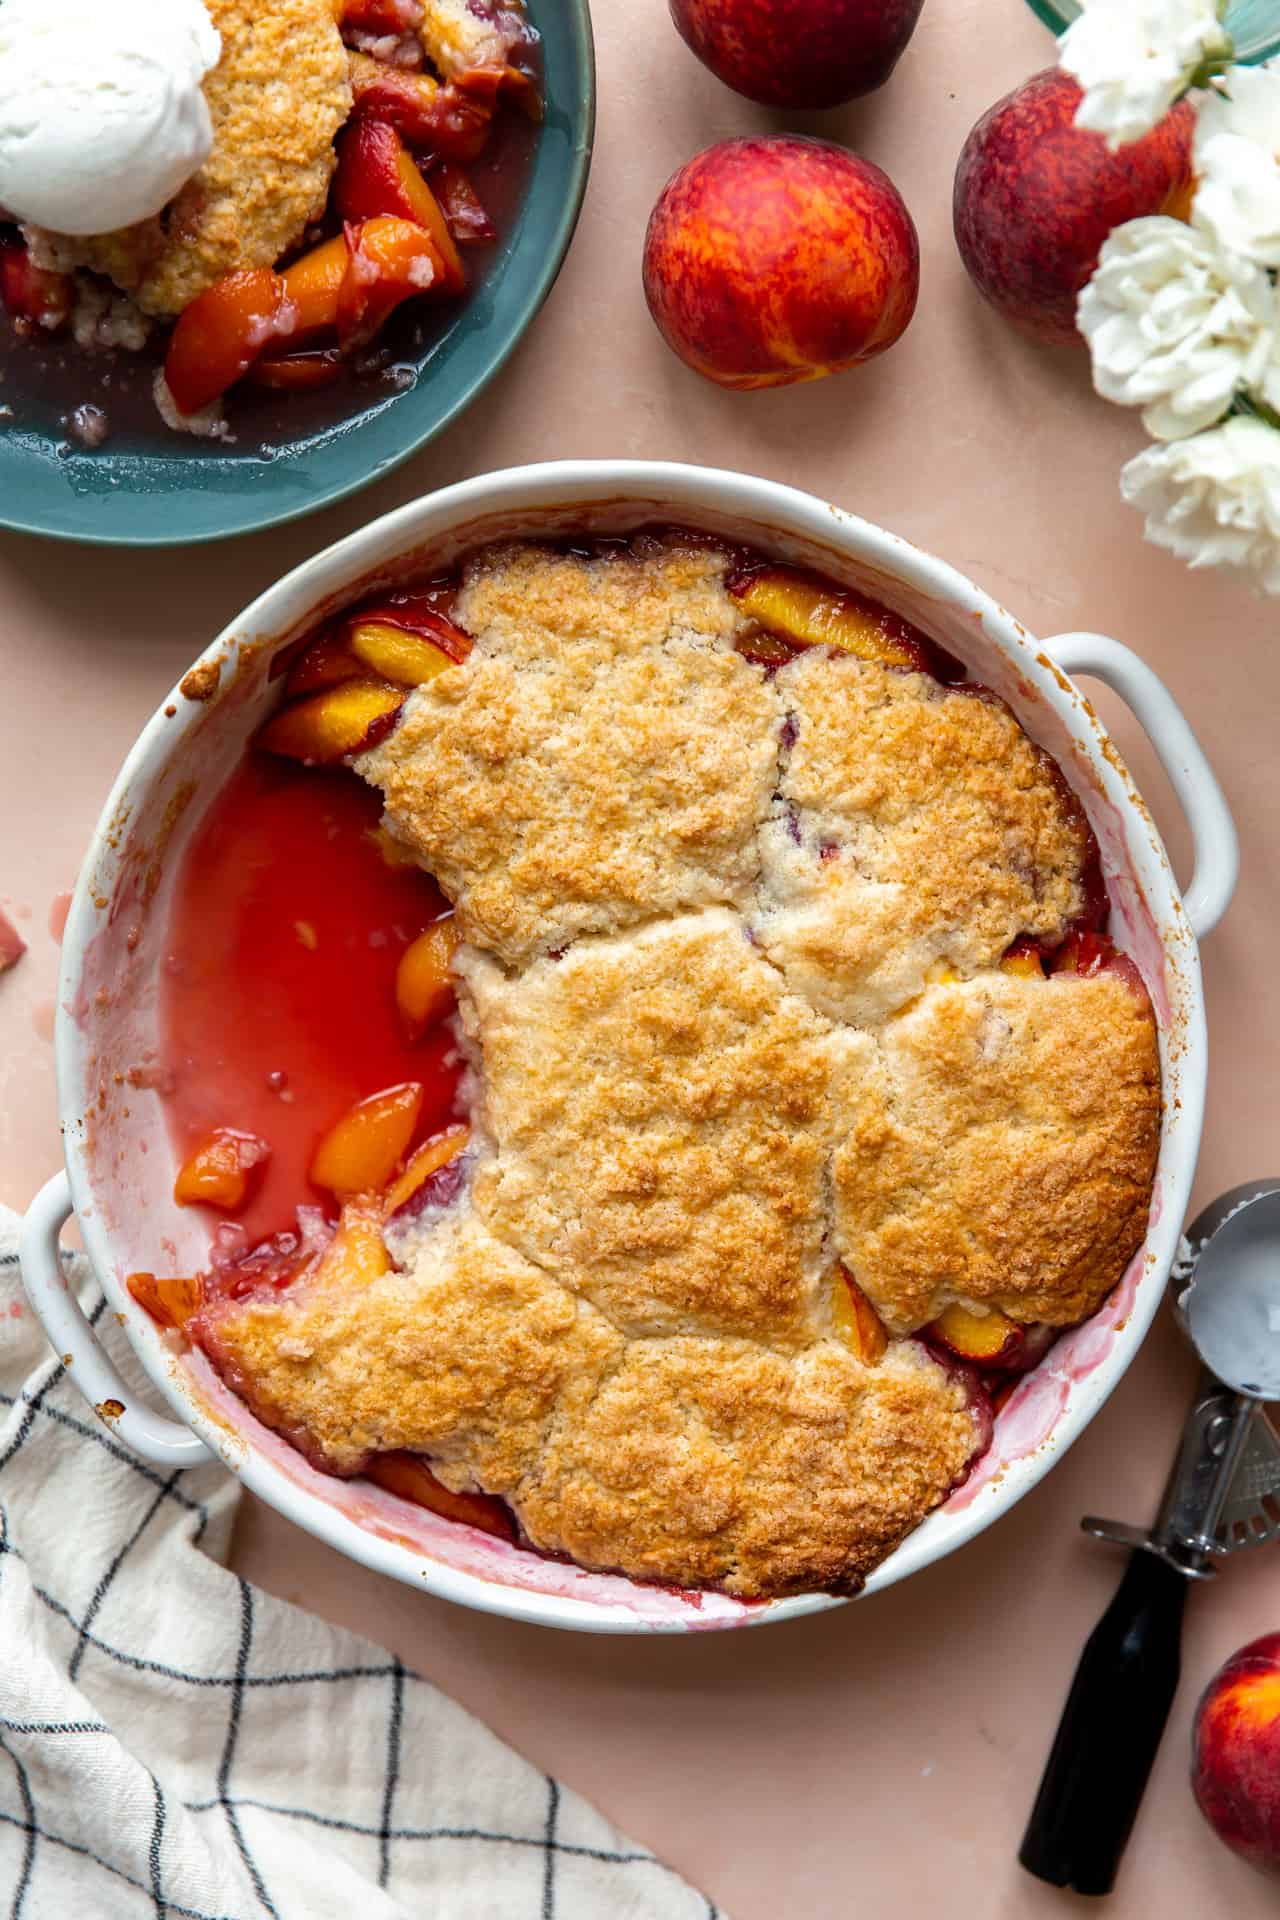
1109	1733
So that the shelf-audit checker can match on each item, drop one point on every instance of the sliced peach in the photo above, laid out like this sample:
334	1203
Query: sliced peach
36	298
298	372
361	1152
391	260
356	1254
377	174
219	1172
396	654
424	978
765	649
988	1339
811	615
171	1303
12	944
394	852
312	285
1024	958
220	335
857	1322
488	83
333	724
326	663
468	222
428	1159
410	1477
418	613
444	118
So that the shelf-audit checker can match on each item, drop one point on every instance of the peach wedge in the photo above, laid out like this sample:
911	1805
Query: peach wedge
424	982
808	615
857	1322
362	1151
219	1172
395	654
171	1303
988	1339
412	1479
333	724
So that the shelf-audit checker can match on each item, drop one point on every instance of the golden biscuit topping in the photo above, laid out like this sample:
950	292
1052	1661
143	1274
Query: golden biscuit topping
783	1050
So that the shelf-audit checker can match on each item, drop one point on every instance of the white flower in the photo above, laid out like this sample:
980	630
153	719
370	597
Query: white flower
1178	328
1134	58
1214	500
1237	165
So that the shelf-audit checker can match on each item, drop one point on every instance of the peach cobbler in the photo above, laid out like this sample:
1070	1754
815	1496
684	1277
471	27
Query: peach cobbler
329	164
649	1026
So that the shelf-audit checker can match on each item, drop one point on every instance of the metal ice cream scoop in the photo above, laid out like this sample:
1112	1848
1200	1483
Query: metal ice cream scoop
1223	1494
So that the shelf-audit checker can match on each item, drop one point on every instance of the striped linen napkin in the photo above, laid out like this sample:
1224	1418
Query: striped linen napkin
175	1744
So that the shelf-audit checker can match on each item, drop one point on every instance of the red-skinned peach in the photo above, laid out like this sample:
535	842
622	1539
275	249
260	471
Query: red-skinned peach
1235	1762
775	259
783	55
1035	197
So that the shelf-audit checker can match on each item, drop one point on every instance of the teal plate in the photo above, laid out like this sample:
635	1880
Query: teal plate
155	493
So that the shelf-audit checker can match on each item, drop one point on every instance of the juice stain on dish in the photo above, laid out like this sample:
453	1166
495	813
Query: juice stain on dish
277	1004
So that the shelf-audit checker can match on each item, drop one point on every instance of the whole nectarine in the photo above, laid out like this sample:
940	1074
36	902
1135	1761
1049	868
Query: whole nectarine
813	55
774	259
1235	1763
1036	196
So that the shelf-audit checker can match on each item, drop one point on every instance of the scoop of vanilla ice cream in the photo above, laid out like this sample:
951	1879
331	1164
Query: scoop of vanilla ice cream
102	117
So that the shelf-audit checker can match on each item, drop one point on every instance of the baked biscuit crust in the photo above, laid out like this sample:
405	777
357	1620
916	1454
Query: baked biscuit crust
1005	1151
662	1113
915	825
691	1460
465	1355
602	757
277	99
710	1069
722	1463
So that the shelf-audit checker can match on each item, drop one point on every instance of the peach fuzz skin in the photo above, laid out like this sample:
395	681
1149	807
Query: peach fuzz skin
1036	196
770	260
1235	1768
816	55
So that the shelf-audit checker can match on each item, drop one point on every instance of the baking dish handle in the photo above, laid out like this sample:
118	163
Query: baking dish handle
1213	833
165	1443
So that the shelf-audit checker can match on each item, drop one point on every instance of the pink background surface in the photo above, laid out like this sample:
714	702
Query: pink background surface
885	1754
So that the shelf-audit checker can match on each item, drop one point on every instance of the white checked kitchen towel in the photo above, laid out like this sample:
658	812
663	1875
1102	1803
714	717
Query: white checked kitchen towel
174	1744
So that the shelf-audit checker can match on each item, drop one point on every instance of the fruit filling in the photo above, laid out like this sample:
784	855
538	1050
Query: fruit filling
496	1086
364	160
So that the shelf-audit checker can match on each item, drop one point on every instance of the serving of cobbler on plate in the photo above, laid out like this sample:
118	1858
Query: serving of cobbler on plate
647	1027
308	168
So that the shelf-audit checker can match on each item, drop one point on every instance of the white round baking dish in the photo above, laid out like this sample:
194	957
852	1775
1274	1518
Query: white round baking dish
119	1162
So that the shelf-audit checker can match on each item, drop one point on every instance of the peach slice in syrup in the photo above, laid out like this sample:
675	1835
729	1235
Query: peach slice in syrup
396	654
378	175
422	1163
390	261
333	724
1024	958
362	1151
810	615
218	1173
857	1322
171	1303
424	980
220	335
326	663
410	1477
988	1339
443	118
